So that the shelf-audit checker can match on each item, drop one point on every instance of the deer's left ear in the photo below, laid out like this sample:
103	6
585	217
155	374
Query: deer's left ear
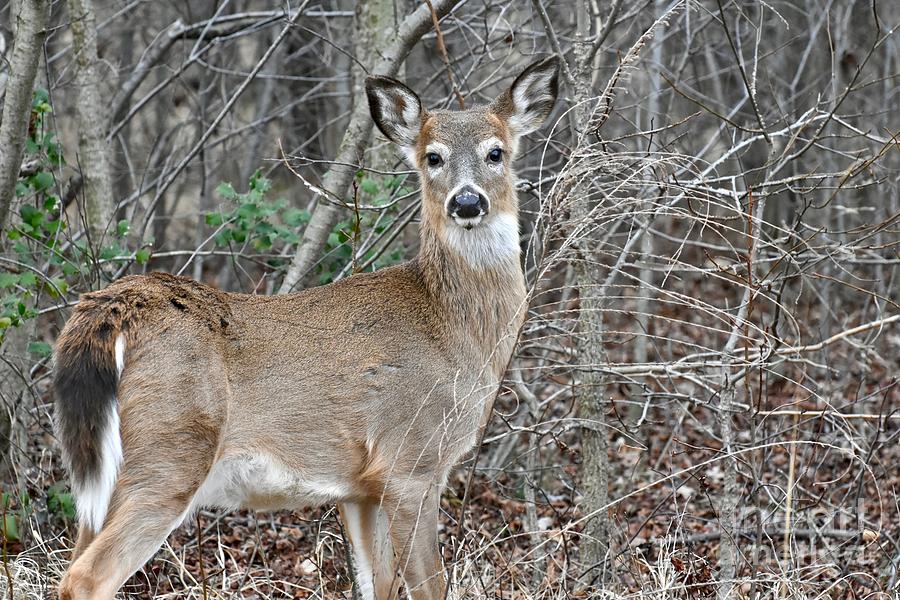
529	100
396	110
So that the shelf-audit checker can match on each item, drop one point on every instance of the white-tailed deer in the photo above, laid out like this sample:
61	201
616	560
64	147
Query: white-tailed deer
172	395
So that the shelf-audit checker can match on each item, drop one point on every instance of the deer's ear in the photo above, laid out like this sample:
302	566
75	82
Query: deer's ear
396	110
529	100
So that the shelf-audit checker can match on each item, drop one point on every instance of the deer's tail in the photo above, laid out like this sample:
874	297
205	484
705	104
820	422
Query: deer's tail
89	358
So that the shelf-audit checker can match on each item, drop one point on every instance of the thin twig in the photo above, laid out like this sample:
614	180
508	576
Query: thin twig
442	49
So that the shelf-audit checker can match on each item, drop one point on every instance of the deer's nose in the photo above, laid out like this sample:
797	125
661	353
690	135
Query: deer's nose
467	204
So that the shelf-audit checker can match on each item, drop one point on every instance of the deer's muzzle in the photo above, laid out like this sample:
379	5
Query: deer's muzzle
467	203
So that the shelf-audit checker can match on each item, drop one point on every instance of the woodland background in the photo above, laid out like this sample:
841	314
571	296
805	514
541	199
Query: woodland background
704	402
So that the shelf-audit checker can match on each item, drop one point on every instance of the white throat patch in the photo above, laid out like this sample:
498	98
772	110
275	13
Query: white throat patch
487	244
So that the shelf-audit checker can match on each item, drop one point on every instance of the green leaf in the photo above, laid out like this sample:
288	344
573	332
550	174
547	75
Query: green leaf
369	186
53	227
262	243
295	217
41	180
267	209
289	237
28	279
10	528
58	284
142	256
42	349
31	215
263	228
5	322
226	191
60	501
259	183
345	252
214	219
40	96
122	228
222	238
248	210
54	154
8	280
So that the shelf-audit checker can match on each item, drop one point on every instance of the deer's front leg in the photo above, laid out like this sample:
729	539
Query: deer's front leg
374	561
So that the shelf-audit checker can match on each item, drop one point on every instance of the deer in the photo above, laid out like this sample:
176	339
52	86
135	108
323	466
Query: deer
171	395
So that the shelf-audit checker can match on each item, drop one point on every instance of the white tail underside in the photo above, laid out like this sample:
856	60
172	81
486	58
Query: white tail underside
93	495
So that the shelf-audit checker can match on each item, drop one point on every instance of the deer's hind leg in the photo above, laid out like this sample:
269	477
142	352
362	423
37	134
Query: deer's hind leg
85	537
130	537
154	489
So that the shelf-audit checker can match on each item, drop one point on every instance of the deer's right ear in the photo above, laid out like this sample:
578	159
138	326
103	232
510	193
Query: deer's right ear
396	110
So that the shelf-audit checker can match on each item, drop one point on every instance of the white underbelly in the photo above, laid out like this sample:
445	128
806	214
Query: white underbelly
262	483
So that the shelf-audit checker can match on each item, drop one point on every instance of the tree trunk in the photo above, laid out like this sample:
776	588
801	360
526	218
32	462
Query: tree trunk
591	353
30	23
591	411
728	499
93	150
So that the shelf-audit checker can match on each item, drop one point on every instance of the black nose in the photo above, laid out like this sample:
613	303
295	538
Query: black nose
467	204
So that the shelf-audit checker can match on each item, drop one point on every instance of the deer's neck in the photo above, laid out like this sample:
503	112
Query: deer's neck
476	282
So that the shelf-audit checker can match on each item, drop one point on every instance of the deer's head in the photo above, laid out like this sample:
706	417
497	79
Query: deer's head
465	157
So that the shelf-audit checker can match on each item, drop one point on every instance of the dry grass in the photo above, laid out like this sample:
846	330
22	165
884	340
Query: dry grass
34	577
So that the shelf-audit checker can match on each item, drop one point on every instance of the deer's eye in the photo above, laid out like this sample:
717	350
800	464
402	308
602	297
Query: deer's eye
495	155
434	159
